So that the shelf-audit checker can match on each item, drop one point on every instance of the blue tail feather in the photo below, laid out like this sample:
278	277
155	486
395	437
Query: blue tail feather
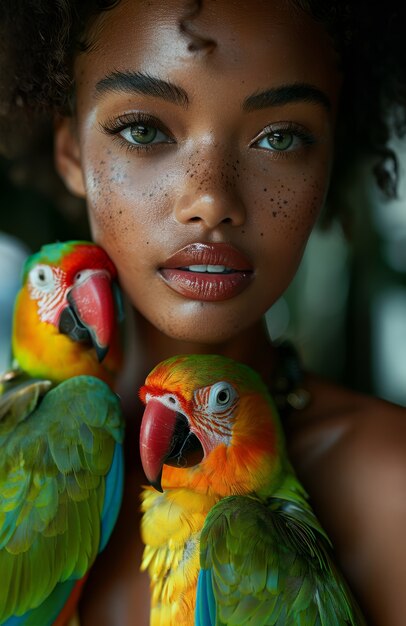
48	611
113	495
205	602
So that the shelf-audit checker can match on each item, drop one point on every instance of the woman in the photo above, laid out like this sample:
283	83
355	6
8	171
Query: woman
203	140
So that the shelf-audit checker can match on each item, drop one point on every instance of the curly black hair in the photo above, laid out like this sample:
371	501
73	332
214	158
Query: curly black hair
39	39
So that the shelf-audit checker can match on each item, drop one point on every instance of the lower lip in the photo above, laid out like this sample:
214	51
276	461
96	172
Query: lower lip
206	287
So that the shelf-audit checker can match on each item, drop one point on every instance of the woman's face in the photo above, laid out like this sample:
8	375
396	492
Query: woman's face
204	171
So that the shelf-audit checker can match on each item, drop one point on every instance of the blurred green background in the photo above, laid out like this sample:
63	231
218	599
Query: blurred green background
345	310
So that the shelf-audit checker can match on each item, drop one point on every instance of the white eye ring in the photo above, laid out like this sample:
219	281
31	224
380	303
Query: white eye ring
42	278
222	396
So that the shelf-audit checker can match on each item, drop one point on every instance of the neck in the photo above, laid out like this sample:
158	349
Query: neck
252	346
146	347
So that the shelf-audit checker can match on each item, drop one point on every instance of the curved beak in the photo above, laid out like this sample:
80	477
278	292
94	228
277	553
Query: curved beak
166	438
91	313
157	429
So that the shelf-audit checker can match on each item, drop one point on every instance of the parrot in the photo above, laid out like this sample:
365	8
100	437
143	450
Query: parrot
230	537
61	432
65	314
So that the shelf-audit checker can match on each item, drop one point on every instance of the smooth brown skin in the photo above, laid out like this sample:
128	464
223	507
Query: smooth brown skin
213	183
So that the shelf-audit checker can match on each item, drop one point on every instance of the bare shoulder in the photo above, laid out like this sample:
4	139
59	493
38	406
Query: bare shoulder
339	421
350	452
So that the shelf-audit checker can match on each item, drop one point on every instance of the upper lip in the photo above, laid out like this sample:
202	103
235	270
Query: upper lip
208	254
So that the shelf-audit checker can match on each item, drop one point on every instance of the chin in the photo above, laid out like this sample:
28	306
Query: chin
200	337
206	325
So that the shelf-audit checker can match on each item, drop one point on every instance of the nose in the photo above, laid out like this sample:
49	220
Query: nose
211	199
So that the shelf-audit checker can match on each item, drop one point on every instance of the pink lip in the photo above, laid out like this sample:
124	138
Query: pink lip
207	287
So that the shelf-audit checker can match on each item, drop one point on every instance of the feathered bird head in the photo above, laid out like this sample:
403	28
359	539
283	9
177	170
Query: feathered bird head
65	316
209	424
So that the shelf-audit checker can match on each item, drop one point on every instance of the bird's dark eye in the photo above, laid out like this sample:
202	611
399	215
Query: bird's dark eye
41	276
223	396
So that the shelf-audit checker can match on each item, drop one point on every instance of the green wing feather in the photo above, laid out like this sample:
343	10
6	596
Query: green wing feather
271	565
18	400
53	464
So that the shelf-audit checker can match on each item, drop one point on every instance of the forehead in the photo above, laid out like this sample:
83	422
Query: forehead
261	42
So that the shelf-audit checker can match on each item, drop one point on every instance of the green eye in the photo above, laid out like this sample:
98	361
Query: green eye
277	140
143	134
284	139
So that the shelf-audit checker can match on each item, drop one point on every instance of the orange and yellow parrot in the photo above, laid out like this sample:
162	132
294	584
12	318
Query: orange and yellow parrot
65	314
230	538
61	433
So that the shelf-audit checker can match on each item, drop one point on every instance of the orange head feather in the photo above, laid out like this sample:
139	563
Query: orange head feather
210	425
65	317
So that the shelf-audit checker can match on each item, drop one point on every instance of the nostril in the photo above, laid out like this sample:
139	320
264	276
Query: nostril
209	210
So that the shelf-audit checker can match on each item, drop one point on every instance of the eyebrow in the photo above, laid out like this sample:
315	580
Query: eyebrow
286	94
139	82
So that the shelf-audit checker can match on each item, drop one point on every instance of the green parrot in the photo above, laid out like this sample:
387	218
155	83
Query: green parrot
61	433
230	537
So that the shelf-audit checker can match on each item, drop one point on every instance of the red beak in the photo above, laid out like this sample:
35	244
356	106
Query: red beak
157	430
166	438
92	300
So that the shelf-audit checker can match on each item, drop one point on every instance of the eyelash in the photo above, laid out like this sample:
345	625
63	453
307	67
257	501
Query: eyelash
117	125
305	137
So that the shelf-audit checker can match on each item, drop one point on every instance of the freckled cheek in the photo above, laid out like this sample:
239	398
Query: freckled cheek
285	212
288	205
123	205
